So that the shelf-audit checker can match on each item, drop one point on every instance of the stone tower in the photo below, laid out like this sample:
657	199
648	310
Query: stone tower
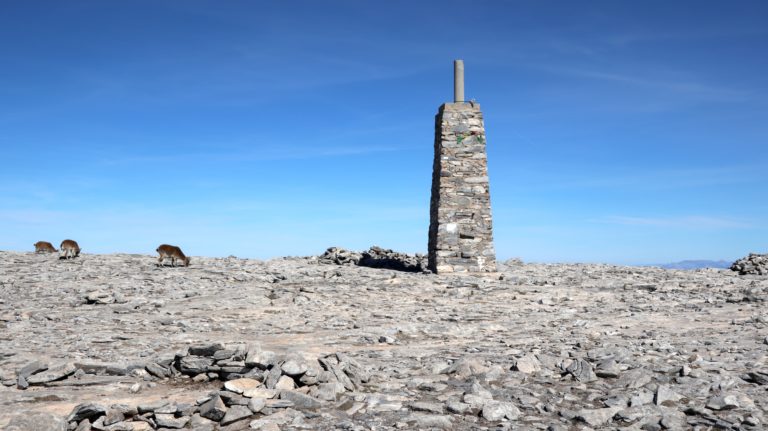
460	228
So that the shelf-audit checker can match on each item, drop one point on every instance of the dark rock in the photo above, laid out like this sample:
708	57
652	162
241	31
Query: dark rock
428	407
581	370
233	399
760	377
206	349
86	411
158	371
235	414
375	257
272	377
304	402
214	409
21	382
193	365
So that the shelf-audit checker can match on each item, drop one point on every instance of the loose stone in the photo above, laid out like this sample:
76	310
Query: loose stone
52	374
242	385
528	364
496	410
235	414
285	383
257	404
170	421
597	417
300	400
214	409
86	411
723	402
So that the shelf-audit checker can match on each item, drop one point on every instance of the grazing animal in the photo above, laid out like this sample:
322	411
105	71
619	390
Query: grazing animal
69	248
173	252
44	247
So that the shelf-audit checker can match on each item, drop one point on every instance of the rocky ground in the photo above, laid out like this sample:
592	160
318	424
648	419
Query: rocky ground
112	342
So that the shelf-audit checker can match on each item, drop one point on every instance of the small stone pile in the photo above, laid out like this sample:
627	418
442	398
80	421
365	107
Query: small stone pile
339	256
375	257
258	384
754	264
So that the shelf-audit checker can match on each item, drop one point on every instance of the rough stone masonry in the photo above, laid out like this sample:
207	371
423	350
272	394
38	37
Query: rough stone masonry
460	228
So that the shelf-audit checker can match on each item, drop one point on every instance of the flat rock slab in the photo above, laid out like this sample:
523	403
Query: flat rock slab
54	373
242	385
36	421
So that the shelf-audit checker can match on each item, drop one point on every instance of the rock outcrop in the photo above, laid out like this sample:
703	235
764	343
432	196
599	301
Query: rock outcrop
755	264
112	342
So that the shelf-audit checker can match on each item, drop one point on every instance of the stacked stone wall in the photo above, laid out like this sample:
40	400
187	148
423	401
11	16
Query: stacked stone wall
460	230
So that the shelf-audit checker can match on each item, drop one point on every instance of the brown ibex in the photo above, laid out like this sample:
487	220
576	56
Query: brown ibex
173	252
44	247
69	248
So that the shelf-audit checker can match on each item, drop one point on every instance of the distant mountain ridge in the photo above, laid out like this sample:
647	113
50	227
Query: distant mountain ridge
696	264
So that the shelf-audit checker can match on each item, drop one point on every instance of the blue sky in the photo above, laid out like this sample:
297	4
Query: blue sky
621	132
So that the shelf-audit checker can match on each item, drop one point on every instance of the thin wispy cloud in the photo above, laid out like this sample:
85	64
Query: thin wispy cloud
678	222
690	88
33	217
252	148
287	153
553	177
623	40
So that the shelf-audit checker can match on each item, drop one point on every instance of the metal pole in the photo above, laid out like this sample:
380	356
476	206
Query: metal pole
458	81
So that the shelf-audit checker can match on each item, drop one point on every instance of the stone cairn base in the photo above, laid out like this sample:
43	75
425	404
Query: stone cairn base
460	228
